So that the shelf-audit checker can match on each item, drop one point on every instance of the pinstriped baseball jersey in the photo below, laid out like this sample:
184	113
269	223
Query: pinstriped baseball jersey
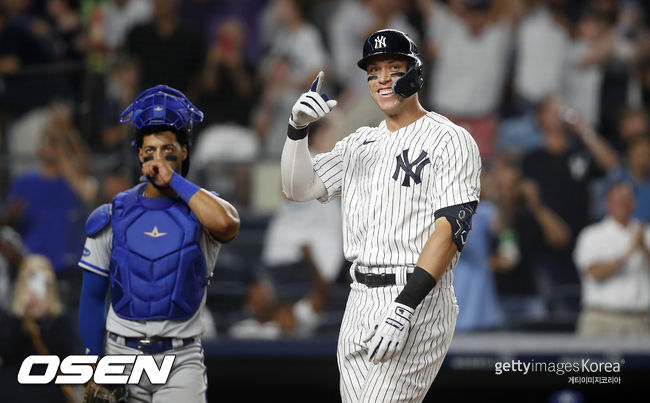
391	183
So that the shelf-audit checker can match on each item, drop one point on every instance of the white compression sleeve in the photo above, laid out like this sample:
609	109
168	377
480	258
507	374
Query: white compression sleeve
299	181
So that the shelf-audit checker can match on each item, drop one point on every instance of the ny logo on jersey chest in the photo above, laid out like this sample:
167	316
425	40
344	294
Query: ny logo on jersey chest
405	165
380	42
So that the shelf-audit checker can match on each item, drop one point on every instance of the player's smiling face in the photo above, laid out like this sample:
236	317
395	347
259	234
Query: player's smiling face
383	71
163	146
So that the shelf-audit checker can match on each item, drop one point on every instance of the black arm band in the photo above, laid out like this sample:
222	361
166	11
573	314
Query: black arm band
460	219
297	134
418	286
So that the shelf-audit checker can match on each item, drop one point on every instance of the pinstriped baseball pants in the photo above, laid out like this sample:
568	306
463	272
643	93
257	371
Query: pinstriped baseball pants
407	376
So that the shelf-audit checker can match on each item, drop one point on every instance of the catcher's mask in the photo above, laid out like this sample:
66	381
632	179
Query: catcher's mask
163	108
392	41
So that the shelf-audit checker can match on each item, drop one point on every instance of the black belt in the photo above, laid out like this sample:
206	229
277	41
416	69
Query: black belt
372	280
150	346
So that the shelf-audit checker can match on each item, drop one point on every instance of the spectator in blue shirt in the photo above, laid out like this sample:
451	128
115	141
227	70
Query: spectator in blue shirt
47	206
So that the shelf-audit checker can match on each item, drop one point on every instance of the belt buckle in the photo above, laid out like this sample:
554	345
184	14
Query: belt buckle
146	342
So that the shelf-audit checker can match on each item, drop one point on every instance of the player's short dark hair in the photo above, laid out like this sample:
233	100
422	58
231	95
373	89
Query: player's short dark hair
182	135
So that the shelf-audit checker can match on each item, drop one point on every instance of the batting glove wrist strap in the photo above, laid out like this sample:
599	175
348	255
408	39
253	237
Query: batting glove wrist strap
297	134
184	188
418	287
390	334
311	106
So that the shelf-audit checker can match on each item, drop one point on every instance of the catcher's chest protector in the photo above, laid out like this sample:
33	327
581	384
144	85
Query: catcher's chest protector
157	268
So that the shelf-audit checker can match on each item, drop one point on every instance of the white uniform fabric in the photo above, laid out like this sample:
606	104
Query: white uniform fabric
629	288
390	184
187	382
407	376
385	223
97	256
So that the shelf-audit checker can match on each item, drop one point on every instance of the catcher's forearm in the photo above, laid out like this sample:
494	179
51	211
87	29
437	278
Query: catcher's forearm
299	181
92	312
218	216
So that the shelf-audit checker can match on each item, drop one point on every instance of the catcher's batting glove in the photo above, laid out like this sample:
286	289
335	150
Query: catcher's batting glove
389	336
311	105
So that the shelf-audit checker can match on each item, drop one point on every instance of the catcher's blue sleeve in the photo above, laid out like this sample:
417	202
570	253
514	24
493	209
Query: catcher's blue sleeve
92	312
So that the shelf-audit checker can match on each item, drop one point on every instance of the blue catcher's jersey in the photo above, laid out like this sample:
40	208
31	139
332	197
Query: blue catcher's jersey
157	269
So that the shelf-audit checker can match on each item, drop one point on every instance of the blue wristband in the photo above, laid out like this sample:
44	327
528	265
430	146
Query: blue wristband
184	188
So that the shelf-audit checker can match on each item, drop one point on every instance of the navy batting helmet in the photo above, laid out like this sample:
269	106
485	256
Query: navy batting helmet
163	108
394	42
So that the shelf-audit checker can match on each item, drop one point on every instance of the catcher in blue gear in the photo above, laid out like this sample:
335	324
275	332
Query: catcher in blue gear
155	246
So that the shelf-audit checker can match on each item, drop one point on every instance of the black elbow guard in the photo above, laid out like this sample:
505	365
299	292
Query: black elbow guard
460	219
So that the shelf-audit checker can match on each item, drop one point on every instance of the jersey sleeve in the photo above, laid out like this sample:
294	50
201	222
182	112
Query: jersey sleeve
96	255
210	247
457	170
329	168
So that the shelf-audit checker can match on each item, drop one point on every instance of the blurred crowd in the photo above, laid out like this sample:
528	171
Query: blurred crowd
556	94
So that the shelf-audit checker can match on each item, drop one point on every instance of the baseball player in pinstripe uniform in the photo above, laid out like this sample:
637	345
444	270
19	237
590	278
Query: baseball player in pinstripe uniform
155	245
409	188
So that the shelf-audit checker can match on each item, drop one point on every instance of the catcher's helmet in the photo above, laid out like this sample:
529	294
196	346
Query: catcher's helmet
392	41
163	108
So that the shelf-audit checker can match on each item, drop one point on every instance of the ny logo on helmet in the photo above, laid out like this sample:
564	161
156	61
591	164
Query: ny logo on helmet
380	42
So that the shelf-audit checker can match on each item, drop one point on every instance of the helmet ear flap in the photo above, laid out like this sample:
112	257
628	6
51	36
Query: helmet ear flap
411	82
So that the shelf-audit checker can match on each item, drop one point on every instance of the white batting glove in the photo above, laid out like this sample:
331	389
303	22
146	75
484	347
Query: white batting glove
311	105
389	336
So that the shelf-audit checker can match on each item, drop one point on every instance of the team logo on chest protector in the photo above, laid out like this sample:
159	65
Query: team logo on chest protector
407	166
157	267
154	233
